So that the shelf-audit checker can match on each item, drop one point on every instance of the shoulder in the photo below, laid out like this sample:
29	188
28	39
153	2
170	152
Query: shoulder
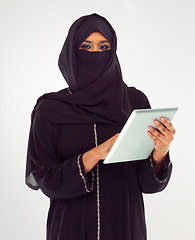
52	107
42	106
140	99
40	111
48	102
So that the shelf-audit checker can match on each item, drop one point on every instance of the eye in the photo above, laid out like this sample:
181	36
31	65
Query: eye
104	47
85	46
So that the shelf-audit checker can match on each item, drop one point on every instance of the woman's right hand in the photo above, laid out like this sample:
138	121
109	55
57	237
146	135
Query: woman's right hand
91	157
103	149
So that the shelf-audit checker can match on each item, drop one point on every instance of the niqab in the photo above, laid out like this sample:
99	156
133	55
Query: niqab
90	66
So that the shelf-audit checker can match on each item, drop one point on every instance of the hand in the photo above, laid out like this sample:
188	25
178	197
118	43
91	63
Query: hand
103	149
91	157
162	137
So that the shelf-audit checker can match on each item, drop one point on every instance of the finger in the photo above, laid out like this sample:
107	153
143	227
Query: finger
116	135
154	138
158	144
110	142
112	138
165	138
168	124
157	135
165	132
161	127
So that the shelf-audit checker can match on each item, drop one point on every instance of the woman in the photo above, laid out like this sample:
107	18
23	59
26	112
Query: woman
72	130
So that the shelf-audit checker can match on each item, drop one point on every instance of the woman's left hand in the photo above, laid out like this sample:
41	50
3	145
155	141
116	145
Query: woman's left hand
162	137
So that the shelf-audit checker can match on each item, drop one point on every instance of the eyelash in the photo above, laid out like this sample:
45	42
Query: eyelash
85	45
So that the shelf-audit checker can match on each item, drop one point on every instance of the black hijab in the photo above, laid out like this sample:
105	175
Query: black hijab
97	96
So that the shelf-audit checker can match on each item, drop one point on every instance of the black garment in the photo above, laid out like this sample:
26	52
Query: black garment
54	151
106	203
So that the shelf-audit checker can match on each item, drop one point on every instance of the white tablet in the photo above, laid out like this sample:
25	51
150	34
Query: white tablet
133	142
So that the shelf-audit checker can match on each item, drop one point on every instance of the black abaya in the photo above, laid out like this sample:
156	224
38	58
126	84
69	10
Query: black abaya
107	202
59	172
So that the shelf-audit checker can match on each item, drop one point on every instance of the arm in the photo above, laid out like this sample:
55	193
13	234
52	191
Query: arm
149	182
162	137
154	172
56	179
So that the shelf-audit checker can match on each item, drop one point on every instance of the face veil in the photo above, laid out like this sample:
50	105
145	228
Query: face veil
90	65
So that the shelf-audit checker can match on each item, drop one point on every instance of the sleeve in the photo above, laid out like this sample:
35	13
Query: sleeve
61	180
148	181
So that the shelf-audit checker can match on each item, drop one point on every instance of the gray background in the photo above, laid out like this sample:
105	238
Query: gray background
156	50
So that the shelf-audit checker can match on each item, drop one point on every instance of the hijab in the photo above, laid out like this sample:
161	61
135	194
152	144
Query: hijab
98	93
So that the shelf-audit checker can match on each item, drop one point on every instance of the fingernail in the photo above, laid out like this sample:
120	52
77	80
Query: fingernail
151	129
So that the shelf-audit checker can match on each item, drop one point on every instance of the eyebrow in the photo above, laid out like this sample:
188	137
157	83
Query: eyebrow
100	41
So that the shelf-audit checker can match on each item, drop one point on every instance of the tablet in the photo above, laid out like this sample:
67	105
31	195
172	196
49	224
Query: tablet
133	142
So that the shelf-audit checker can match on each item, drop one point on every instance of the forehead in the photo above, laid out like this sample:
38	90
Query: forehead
90	26
96	35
